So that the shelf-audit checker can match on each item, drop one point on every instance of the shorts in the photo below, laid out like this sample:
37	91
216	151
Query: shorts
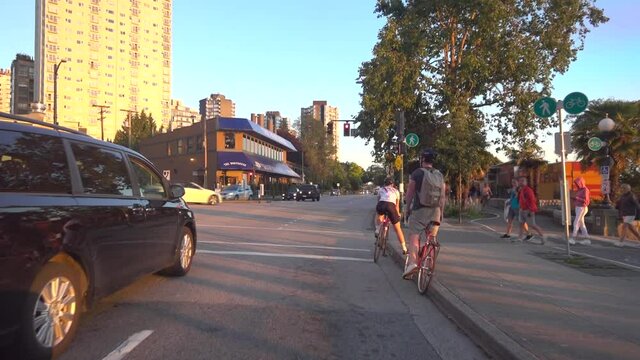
422	217
528	217
628	219
389	209
513	213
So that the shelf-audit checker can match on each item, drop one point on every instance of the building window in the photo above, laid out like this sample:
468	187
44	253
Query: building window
229	141
180	147
190	145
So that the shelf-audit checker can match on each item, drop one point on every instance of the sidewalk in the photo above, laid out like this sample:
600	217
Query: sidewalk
526	301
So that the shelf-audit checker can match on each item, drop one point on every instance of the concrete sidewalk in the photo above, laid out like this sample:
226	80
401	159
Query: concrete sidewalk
527	301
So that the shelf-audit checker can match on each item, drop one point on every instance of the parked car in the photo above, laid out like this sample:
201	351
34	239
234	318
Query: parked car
196	194
308	191
335	192
236	192
79	218
290	194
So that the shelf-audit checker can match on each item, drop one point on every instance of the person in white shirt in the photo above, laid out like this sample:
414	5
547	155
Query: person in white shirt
389	204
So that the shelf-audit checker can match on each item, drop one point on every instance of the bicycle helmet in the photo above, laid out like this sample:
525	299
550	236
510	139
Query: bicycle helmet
428	156
388	181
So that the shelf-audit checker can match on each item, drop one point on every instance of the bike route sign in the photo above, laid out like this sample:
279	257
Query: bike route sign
575	103
545	107
412	140
594	144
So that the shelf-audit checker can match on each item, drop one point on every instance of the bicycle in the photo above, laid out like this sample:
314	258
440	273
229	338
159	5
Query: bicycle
380	246
426	259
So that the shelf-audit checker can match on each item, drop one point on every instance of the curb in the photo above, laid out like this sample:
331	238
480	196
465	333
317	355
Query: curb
486	335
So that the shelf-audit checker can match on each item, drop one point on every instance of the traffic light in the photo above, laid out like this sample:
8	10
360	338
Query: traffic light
347	129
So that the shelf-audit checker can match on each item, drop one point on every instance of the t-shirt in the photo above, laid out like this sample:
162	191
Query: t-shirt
515	204
417	175
389	194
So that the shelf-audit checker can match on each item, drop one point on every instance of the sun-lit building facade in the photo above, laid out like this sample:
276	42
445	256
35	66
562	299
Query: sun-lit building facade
117	53
5	90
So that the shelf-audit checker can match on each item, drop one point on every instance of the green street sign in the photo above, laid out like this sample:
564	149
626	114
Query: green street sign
412	140
594	144
545	107
575	103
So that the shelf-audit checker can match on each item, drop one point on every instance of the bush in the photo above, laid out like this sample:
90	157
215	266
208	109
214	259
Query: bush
471	210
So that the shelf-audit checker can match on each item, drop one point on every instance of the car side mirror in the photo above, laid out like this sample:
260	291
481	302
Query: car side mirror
177	191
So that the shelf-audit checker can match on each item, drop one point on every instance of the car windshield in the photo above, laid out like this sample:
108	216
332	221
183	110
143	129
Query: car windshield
307	187
194	186
231	188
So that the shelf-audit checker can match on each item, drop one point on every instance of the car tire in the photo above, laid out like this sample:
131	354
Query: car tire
212	200
318	198
33	342
185	250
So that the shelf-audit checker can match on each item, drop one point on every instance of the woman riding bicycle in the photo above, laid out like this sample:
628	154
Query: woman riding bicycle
389	205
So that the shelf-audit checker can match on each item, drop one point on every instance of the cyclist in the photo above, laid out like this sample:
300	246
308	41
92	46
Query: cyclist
422	216
389	204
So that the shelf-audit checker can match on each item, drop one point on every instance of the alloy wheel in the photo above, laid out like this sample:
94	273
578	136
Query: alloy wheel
54	312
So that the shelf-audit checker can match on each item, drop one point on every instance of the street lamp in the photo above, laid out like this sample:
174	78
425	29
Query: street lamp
55	90
607	125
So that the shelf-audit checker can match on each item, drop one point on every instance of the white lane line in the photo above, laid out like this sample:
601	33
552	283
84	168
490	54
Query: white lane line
278	229
299	256
128	345
619	263
486	226
282	245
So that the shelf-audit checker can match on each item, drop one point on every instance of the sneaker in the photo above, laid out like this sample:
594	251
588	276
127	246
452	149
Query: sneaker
572	241
619	244
585	242
505	236
409	270
528	237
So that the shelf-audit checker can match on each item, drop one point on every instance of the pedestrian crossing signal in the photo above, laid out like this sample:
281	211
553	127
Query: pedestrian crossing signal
347	129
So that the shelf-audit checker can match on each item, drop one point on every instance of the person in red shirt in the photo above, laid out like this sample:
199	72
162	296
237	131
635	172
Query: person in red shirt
528	209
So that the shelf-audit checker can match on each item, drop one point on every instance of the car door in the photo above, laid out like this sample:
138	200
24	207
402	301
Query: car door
162	217
108	214
190	193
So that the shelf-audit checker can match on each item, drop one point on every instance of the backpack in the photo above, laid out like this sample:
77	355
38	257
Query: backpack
431	189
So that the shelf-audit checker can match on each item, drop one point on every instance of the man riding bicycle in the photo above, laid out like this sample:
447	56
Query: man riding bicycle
426	196
389	205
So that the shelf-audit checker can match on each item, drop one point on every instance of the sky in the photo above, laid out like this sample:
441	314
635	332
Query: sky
283	54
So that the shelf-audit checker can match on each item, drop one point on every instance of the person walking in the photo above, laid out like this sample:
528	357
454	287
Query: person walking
486	195
514	209
528	210
628	208
581	199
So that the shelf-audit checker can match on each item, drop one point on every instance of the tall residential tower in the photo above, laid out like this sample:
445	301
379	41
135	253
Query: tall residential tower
111	52
5	90
22	77
217	105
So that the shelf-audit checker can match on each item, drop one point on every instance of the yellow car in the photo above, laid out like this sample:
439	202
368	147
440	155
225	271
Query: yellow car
196	194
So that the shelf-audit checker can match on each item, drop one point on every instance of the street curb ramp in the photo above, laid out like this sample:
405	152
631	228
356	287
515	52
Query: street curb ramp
486	335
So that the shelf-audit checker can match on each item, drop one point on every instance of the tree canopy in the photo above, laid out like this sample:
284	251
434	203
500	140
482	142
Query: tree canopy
142	127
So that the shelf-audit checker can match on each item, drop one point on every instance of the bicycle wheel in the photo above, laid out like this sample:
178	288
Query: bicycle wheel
385	237
427	267
377	249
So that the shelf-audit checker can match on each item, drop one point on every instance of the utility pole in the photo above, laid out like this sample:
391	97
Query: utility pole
102	107
56	67
129	123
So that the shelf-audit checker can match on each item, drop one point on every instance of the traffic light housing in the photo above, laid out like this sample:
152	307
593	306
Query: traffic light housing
346	129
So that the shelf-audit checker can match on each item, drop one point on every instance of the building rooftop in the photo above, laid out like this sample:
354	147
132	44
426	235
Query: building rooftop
240	124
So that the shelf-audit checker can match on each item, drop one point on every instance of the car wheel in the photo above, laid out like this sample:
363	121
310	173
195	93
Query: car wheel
51	317
184	255
213	200
318	198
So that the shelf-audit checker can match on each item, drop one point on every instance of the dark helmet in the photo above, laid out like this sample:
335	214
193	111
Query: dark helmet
388	181
428	155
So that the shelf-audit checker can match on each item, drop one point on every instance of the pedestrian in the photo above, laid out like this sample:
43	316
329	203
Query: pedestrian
528	209
486	195
628	208
514	209
581	200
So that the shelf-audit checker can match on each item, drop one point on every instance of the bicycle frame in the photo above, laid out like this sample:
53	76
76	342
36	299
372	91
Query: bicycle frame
427	260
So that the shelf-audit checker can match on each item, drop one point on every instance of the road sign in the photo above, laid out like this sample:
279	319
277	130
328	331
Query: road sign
594	144
567	143
605	187
575	103
167	174
604	170
412	140
545	107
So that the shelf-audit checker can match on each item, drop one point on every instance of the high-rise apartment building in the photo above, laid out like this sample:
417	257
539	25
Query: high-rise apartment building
182	115
110	52
5	90
326	114
217	105
22	83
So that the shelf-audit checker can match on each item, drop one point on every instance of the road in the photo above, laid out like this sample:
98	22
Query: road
281	280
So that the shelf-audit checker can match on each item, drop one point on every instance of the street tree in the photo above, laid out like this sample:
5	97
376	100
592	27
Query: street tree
142	126
319	149
623	143
530	157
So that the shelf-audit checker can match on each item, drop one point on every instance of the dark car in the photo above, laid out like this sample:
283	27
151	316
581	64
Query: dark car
307	192
79	218
290	194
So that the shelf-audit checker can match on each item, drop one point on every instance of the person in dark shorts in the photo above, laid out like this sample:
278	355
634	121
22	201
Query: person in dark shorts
389	205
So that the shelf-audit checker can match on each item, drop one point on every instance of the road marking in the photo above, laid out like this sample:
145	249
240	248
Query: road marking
619	263
128	345
300	256
277	229
283	245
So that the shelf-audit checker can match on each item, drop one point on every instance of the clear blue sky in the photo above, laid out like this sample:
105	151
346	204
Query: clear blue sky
282	55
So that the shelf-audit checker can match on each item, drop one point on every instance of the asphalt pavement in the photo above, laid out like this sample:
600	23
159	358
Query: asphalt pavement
275	280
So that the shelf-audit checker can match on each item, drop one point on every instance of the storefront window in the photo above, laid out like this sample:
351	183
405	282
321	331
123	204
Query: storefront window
229	141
